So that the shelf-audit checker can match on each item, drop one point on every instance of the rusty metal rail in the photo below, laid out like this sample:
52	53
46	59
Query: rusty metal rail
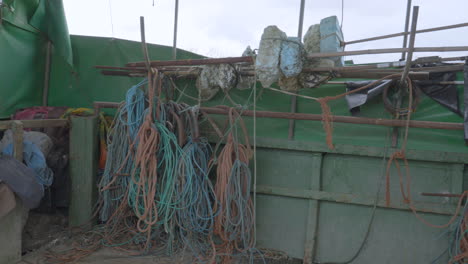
318	117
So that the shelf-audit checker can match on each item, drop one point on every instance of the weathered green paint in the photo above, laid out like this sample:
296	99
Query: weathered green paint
345	185
365	151
10	234
83	169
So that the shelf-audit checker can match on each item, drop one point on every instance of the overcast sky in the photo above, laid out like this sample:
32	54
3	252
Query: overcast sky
221	28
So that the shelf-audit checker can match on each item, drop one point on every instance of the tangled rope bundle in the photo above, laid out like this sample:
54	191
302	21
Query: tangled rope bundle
235	222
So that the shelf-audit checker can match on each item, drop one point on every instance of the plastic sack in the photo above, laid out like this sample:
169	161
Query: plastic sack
39	139
446	95
246	82
35	160
21	180
312	39
291	57
215	77
355	100
267	62
331	37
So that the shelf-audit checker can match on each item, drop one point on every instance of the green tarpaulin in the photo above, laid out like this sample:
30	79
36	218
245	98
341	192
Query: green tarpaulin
76	83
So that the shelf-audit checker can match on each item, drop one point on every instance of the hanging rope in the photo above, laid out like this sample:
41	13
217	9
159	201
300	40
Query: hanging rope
235	222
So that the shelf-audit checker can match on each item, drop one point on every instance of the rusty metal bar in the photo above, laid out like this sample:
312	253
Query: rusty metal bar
193	62
406	33
342	119
318	117
441	194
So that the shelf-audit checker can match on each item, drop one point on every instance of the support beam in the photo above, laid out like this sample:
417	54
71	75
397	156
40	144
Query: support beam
83	169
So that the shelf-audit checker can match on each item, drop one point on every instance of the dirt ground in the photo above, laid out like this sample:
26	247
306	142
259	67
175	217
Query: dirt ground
48	233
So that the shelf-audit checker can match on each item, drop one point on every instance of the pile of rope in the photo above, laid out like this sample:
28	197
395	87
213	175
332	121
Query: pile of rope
156	196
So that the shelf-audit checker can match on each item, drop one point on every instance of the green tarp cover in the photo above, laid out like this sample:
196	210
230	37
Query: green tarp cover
26	28
79	84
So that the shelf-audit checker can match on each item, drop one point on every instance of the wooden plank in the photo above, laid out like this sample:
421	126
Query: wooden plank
18	133
83	169
37	123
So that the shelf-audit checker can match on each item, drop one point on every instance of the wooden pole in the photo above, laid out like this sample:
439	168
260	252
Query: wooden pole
18	132
405	37
83	169
45	91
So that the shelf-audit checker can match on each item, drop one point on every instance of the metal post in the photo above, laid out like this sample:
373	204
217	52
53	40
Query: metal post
176	16
411	43
405	38
45	92
414	23
294	98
